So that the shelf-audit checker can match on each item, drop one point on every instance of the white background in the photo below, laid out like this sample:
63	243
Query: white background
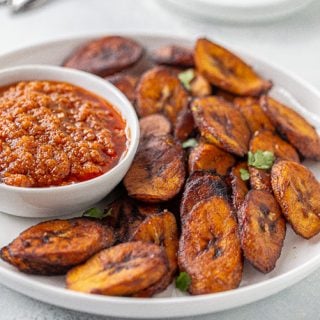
293	43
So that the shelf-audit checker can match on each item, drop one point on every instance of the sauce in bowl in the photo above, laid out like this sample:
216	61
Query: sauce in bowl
55	133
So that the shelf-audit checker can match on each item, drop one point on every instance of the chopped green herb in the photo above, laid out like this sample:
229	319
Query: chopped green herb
97	213
183	281
190	143
261	159
186	77
244	173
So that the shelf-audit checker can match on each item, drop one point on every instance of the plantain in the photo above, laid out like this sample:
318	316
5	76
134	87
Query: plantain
184	125
155	124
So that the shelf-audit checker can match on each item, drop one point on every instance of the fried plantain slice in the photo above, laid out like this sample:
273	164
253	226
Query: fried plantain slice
227	71
262	230
200	86
162	230
209	247
173	55
121	270
126	83
206	156
239	186
157	172
199	186
221	124
105	56
224	95
160	91
184	125
155	124
256	118
301	134
297	192
53	247
260	179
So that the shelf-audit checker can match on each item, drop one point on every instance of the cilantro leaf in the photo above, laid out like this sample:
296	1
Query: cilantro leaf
190	143
261	159
186	77
244	173
97	213
183	281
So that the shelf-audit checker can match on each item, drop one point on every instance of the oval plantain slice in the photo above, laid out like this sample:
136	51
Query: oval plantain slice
227	71
105	56
260	179
53	247
184	125
206	156
199	186
155	125
160	91
209	247
256	118
157	172
221	124
301	134
122	270
262	230
239	186
297	192
200	86
162	230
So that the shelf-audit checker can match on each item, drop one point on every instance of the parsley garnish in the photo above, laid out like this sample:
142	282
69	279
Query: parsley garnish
190	143
186	77
183	281
97	213
244	174
261	159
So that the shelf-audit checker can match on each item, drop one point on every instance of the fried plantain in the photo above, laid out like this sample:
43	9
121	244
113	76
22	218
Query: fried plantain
206	156
126	83
157	172
200	86
184	125
224	95
160	229
173	55
221	124
199	186
262	230
256	118
53	247
297	192
209	247
122	270
239	186
227	71
155	124
105	56
301	134
260	179
160	91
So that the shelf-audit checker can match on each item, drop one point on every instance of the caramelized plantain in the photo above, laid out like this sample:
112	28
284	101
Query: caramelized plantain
160	91
207	156
294	127
297	192
105	56
260	179
238	185
155	124
200	86
157	172
224	95
221	124
209	247
173	55
126	83
256	118
199	186
122	270
53	247
227	71
262	230
184	125
160	229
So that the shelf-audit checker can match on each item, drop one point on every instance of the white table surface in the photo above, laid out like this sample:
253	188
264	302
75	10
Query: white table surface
293	43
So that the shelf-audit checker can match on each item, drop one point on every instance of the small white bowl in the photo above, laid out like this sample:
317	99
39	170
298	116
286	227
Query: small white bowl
63	200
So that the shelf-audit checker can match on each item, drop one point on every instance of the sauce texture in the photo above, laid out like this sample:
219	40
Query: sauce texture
55	133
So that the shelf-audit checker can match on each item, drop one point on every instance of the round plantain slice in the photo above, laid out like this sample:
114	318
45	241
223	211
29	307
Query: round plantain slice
260	179
105	56
256	118
239	186
221	124
227	71
162	230
122	270
157	172
199	186
53	247
200	86
206	156
184	125
209	247
160	91
297	192
262	230
173	55
154	125
301	134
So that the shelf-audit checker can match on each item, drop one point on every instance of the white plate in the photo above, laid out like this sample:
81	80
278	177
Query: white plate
299	257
